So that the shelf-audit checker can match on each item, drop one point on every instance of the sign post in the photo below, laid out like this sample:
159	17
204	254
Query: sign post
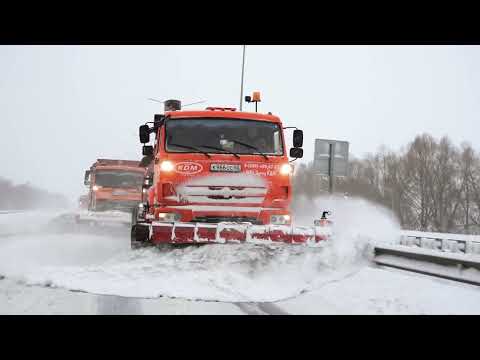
331	159
331	183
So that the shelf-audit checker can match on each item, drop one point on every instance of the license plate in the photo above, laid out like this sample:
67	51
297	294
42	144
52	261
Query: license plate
119	192
225	168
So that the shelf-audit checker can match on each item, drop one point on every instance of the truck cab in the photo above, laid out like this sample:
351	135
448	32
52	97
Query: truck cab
114	185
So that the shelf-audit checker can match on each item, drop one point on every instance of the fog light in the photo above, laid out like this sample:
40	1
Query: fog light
169	217
279	219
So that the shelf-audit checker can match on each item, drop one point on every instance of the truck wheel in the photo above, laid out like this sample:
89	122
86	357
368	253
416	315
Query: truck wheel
134	216
139	236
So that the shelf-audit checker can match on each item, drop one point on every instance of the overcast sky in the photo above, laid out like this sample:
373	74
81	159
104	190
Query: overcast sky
62	107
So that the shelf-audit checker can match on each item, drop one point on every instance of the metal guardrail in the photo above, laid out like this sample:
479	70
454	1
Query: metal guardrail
449	256
451	243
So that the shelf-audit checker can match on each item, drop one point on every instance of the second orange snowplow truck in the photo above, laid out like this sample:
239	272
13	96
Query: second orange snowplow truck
219	175
114	185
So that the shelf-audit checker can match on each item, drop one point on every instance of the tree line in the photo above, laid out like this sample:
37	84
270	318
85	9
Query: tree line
26	196
430	184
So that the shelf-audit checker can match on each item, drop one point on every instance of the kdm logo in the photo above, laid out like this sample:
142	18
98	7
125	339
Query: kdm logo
188	168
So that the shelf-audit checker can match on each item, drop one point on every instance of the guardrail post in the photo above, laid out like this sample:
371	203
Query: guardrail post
468	247
460	268
464	250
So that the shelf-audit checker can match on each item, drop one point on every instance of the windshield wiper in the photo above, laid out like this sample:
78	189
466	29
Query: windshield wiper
192	148
250	146
220	149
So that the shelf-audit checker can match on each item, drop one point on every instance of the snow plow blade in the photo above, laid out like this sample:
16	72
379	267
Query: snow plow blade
198	233
90	222
104	218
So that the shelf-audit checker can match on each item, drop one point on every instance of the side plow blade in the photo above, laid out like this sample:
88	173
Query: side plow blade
108	219
198	233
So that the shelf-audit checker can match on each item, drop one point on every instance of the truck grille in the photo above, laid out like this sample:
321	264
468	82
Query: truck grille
198	194
126	205
217	219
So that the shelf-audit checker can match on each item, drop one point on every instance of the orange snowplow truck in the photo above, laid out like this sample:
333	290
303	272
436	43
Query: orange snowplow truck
114	185
218	175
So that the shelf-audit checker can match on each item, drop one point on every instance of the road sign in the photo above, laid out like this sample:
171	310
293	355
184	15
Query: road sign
331	157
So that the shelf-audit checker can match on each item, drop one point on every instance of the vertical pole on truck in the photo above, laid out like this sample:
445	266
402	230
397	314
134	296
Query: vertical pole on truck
331	177
241	85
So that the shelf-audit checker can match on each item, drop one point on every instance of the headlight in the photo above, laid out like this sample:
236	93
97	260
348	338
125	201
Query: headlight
279	219
95	188
166	166
286	169
169	217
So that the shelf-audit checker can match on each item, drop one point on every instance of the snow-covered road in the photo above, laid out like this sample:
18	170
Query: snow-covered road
369	291
48	273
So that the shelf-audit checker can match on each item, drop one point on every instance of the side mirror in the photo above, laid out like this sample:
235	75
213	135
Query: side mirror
86	180
147	150
144	133
297	138
296	153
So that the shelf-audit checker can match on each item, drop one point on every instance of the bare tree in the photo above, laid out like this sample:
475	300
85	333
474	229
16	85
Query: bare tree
468	167
445	188
26	196
429	185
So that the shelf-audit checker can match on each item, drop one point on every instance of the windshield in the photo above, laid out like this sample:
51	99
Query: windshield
119	179
215	135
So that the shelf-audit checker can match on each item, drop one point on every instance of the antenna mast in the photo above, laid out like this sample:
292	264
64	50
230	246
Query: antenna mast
241	86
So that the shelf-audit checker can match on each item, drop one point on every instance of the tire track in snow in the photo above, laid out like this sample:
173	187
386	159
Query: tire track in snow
250	308
272	309
118	305
260	308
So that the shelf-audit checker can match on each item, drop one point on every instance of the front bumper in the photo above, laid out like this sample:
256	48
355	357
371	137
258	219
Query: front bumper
217	214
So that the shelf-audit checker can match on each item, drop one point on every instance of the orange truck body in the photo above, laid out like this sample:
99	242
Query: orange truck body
114	185
191	189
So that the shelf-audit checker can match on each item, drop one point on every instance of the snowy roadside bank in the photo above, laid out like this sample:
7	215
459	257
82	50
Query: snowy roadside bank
25	222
